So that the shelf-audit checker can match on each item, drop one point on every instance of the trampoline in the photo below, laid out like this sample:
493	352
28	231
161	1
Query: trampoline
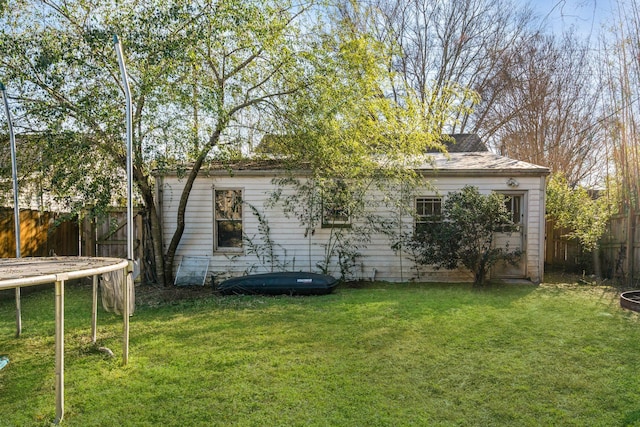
23	272
18	272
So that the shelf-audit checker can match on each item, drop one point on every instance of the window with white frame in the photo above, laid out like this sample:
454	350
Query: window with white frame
428	211
227	218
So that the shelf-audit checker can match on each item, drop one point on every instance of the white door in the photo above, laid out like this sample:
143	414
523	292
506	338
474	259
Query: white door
513	239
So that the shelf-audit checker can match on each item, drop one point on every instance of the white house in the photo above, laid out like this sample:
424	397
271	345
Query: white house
229	212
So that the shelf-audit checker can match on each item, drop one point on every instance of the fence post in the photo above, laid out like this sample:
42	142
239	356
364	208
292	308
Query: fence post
628	261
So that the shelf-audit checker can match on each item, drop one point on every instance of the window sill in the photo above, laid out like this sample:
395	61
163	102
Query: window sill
229	251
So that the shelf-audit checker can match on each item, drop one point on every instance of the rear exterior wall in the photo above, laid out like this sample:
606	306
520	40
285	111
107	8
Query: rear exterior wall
297	250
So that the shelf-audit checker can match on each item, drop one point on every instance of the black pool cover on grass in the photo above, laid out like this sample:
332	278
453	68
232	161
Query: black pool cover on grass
293	283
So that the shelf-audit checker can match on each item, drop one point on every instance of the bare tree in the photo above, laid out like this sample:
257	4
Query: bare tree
548	107
621	109
444	44
528	94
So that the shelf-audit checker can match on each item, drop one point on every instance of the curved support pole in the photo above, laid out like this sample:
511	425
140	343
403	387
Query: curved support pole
16	207
129	119
128	279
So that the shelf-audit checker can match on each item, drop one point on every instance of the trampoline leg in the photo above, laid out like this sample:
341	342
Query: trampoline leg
127	283
18	314
59	351
94	312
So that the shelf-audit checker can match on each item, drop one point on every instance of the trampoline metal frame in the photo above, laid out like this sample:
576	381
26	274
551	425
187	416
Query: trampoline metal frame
59	279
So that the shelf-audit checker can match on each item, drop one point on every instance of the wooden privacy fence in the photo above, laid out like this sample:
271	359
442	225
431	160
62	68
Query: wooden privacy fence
40	234
45	234
107	236
620	248
560	251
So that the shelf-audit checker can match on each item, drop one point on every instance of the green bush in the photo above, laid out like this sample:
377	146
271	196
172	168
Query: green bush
466	233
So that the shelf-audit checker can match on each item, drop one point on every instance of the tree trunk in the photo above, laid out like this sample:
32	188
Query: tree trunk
630	255
142	180
182	207
479	276
597	266
156	245
180	223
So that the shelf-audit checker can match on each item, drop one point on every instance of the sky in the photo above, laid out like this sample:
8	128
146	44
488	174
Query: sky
588	16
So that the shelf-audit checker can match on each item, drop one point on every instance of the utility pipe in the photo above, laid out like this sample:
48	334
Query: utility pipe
16	207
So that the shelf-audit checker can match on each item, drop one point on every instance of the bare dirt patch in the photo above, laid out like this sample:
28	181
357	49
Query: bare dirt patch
152	295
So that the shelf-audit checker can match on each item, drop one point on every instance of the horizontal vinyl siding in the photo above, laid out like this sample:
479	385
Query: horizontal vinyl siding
295	251
198	217
535	236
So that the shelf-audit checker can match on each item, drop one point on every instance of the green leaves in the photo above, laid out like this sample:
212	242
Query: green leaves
208	79
584	216
465	236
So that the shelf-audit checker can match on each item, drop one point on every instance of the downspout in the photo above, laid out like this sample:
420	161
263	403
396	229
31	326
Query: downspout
400	252
309	231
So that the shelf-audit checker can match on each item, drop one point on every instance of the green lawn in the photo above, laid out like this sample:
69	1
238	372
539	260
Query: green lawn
382	355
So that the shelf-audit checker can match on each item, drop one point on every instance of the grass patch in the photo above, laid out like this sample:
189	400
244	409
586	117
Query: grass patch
382	355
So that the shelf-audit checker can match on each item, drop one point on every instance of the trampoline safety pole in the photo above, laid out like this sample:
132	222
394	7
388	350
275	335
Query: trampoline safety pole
128	280
129	119
16	206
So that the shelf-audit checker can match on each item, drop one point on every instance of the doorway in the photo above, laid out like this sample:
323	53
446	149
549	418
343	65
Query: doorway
513	238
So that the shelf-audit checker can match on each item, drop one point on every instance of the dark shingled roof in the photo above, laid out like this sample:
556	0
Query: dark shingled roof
454	143
462	143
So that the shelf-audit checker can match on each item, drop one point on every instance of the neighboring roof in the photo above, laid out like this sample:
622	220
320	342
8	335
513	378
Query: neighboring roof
454	143
462	143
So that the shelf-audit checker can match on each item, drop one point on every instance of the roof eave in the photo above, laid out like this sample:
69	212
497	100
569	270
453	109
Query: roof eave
425	172
485	172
